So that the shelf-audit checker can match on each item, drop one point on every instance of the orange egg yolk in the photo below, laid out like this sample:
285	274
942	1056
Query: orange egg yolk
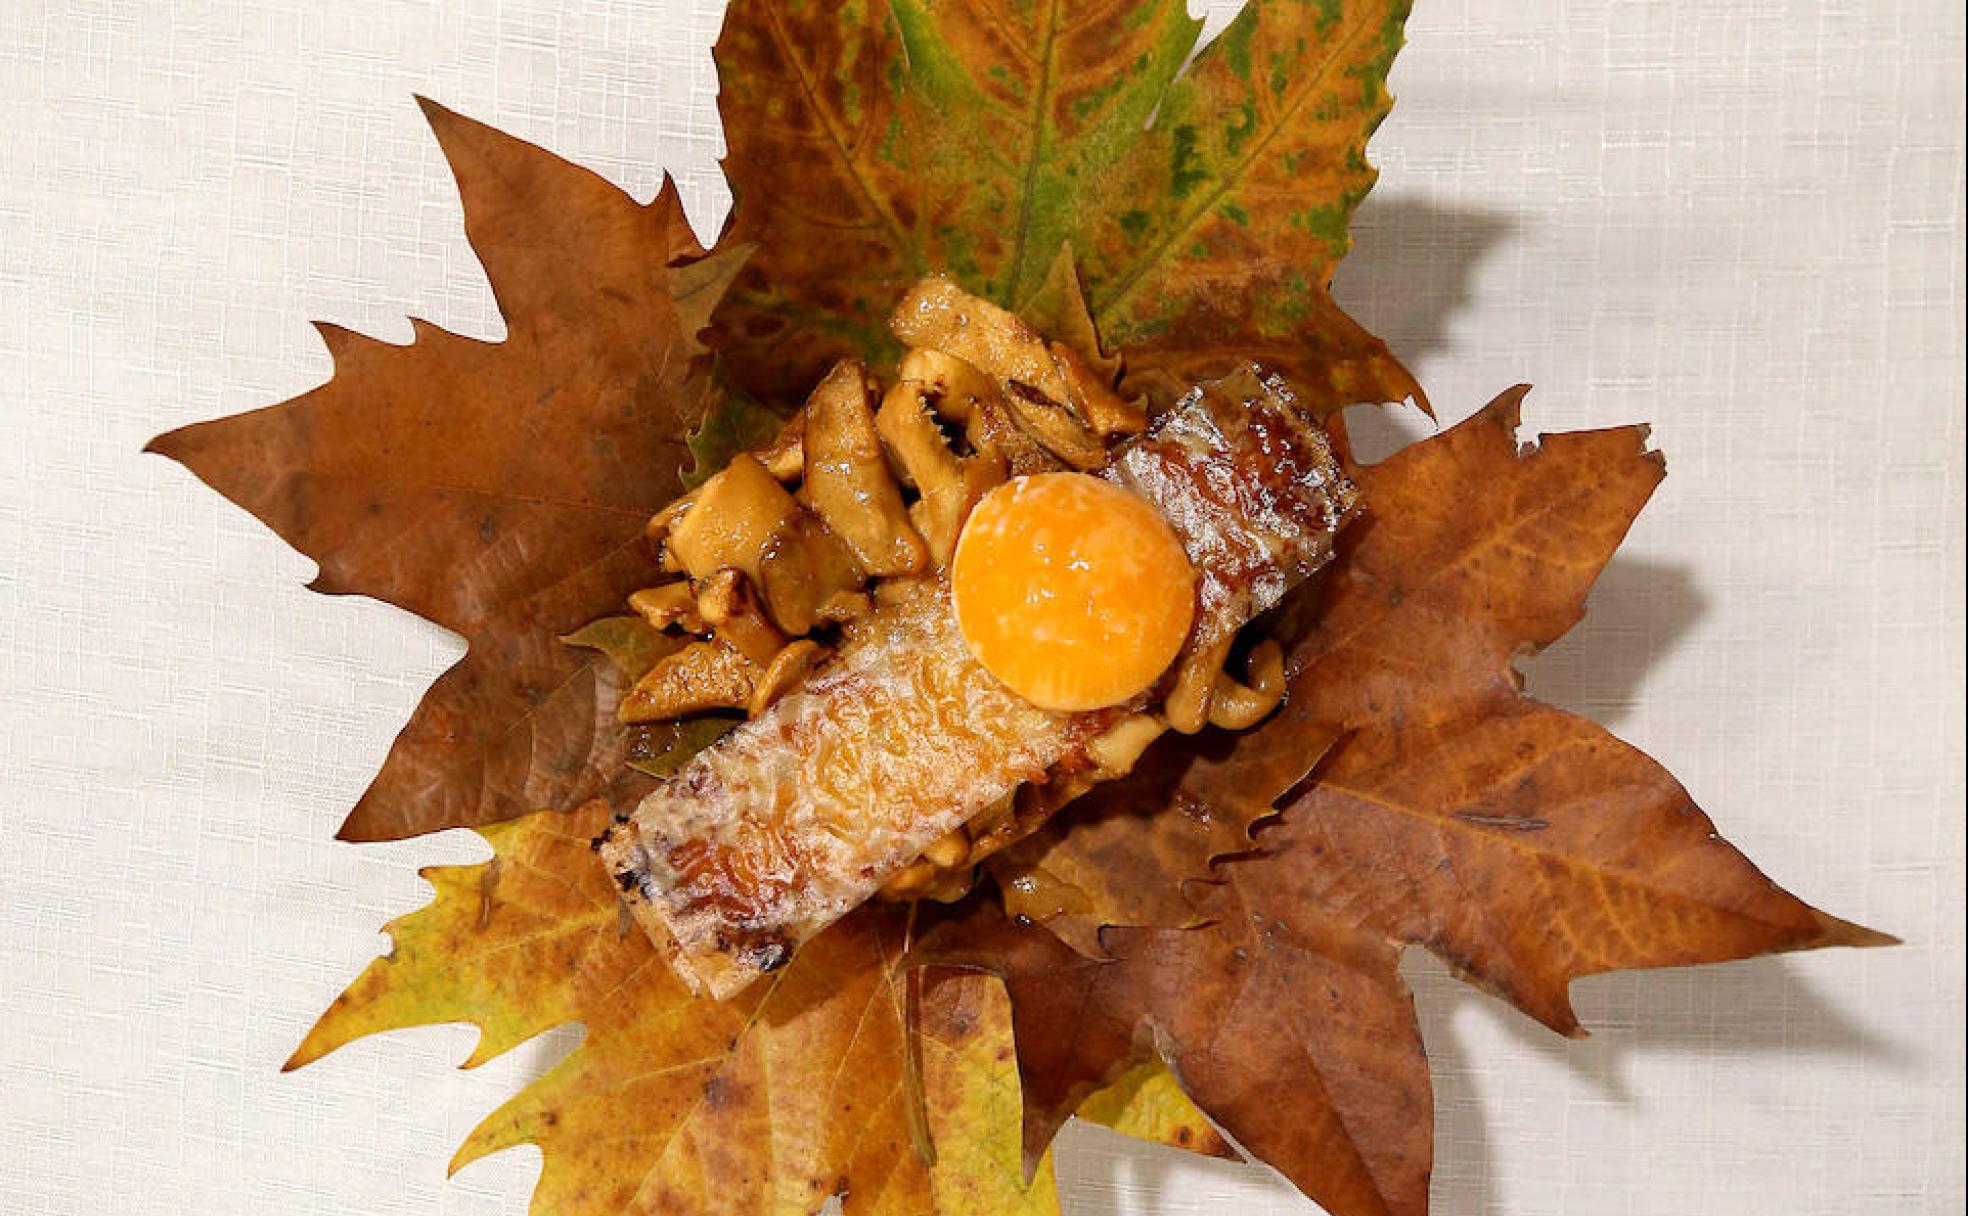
1071	591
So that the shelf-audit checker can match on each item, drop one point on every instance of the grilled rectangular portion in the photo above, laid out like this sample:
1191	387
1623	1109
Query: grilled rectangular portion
802	813
1252	489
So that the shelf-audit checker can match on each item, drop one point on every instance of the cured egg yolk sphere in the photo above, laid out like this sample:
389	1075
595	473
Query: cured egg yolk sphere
1071	591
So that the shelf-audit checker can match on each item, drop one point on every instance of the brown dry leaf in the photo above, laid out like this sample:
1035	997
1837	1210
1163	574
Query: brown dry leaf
497	488
1302	1044
1124	853
1524	845
1207	204
1058	309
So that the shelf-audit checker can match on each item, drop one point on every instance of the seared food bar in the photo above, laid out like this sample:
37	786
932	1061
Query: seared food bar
867	770
1251	487
801	814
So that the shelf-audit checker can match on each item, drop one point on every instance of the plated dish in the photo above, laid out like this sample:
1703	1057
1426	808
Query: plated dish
948	605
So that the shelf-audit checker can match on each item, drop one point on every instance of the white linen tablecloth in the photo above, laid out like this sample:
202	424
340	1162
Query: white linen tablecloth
1742	221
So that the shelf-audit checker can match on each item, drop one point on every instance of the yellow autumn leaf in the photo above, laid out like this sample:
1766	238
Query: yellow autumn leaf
970	1087
767	1104
1148	1104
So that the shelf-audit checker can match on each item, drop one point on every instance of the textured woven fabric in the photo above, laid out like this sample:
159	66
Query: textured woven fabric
1740	220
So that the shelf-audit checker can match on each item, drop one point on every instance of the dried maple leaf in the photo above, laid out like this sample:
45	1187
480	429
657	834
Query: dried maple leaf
1124	853
497	488
1302	1046
971	1086
1524	845
870	144
770	1103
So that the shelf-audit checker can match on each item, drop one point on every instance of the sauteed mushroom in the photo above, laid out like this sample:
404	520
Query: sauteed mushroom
950	485
1053	393
785	456
731	610
672	604
786	669
701	676
1236	706
847	478
807	575
735	513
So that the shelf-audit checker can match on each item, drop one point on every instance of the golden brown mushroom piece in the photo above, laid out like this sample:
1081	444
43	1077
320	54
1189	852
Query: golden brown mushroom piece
701	676
995	827
938	314
657	530
1240	706
950	485
726	603
807	575
906	425
942	873
735	514
949	850
995	428
1188	704
910	882
785	456
1005	391
1052	392
672	604
961	394
786	670
1104	409
1116	751
953	386
847	477
1055	427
